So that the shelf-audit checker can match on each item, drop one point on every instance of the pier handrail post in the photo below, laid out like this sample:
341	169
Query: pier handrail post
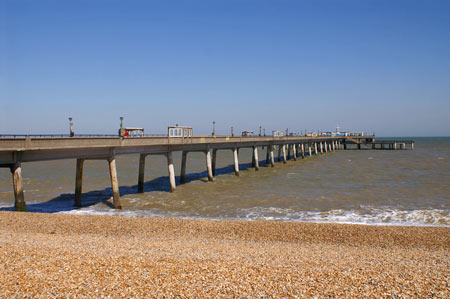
19	198
114	182
79	182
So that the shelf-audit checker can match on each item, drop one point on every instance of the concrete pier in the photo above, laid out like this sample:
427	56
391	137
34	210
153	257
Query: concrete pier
14	151
171	172
19	198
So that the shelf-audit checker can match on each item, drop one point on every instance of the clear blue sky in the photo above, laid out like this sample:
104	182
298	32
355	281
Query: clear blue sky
380	66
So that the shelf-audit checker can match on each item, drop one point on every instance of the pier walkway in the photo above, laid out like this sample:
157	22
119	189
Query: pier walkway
15	151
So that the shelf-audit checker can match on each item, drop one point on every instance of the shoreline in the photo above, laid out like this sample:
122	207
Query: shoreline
68	255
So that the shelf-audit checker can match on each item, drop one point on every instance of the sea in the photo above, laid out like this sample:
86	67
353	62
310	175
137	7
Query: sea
375	187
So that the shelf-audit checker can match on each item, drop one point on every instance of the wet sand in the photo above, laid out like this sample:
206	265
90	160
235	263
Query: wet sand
49	255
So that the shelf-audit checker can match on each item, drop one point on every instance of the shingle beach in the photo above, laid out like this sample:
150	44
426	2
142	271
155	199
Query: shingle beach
57	255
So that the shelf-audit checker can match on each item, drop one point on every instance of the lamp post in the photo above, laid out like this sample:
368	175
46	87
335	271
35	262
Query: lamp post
71	127
232	133
214	128
264	131
260	128
121	127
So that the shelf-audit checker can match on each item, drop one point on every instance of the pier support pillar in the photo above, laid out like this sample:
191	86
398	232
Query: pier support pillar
272	159
321	147
114	182
19	198
294	151
214	154
288	151
209	165
309	149
141	173
303	150
268	155
412	145
315	148
171	171
255	158
236	161
404	146
284	154
279	153
333	146
359	146
326	147
79	182
183	167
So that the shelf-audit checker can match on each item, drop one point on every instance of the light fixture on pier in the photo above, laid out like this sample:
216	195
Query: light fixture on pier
71	127
232	133
214	128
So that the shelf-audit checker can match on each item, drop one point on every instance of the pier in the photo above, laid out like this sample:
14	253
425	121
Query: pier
15	151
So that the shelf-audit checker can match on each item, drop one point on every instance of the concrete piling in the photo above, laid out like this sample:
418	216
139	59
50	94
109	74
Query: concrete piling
183	167
214	155
236	161
284	154
309	149
272	159
79	182
209	165
255	158
279	153
268	155
315	148
303	150
171	171
294	151
19	198
321	147
114	182
141	173
288	151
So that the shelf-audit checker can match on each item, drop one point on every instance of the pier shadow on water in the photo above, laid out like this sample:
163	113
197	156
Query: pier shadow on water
65	201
